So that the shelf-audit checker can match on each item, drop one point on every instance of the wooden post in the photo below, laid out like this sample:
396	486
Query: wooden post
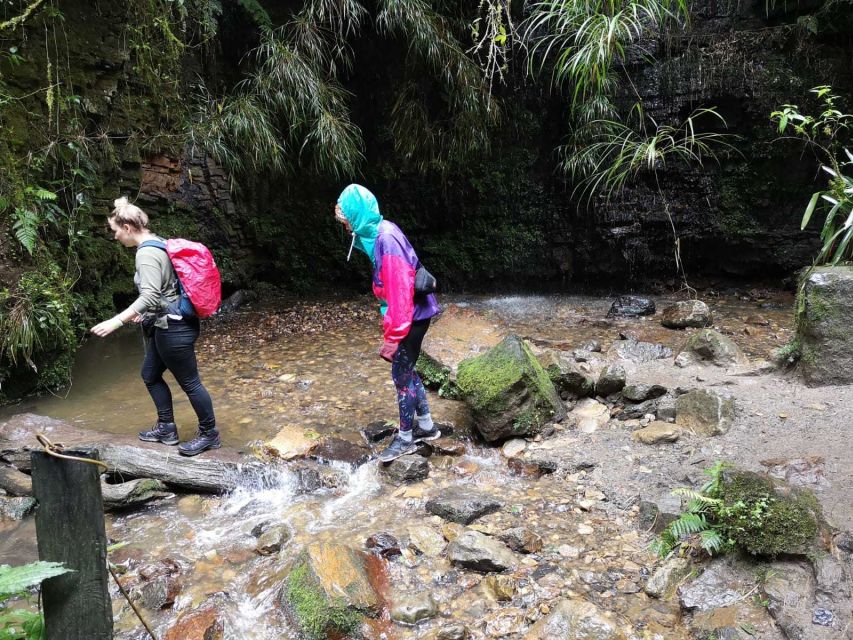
70	529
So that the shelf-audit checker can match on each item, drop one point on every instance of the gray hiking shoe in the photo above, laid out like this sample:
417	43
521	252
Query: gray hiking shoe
396	449
420	435
204	440
165	432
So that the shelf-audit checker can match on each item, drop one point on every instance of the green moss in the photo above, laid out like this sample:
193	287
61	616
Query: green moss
758	519
316	614
485	380
433	374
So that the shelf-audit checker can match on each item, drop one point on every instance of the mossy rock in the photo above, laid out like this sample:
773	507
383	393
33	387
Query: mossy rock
766	519
825	339
328	592
509	392
713	347
437	376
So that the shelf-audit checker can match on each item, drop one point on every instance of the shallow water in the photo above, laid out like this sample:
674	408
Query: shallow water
264	373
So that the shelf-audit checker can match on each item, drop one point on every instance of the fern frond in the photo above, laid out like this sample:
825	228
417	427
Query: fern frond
712	541
688	524
26	224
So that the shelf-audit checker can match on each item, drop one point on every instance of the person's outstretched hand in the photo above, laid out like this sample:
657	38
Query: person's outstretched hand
106	327
388	350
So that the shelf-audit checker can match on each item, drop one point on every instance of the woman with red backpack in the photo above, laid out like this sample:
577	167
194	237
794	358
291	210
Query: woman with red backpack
406	315
171	327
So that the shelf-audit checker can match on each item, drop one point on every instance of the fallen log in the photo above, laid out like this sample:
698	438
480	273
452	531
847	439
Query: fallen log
127	457
130	494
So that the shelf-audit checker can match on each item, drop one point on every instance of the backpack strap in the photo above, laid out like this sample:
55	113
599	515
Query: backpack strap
154	243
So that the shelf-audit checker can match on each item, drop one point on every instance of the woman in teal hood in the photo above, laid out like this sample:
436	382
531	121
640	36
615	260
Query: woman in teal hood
406	316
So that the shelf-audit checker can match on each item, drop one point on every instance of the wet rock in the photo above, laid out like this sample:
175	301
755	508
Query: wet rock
718	586
513	448
611	380
711	347
411	608
410	468
205	622
705	412
14	482
667	576
666	408
383	544
503	623
272	539
426	541
638	352
447	446
291	442
575	620
134	492
657	432
340	450
531	467
823	326
508	391
689	313
656	514
789	590
642	392
593	346
831	581
377	431
452	631
569	380
259	528
631	307
328	589
16	508
522	540
462	505
474	550
500	587
159	593
638	411
589	415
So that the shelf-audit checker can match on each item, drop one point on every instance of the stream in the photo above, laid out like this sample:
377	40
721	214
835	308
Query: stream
315	365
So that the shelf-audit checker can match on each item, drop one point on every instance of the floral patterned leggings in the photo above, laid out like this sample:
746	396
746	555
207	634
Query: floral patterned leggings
411	395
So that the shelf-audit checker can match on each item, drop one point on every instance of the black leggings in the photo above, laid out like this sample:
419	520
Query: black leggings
174	349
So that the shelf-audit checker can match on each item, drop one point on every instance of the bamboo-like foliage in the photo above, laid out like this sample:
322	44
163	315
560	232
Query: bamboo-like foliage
584	39
615	153
293	110
467	113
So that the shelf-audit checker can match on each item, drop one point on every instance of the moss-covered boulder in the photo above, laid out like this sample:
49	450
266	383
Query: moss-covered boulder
765	518
437	376
824	333
509	392
328	591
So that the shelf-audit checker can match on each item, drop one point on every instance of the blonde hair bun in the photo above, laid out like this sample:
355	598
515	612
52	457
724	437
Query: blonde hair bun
126	213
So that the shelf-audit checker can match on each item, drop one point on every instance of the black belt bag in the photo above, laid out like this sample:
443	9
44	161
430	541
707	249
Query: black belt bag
425	282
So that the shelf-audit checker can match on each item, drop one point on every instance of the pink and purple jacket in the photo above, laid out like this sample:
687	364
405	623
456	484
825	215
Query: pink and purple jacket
394	265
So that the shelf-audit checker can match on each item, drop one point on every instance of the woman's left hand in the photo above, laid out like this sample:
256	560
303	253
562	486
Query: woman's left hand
388	350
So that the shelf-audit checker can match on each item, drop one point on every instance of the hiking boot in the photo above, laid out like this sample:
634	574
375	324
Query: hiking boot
165	432
420	435
204	440
396	449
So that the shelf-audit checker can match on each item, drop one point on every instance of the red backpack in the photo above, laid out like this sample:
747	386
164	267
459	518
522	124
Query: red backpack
199	284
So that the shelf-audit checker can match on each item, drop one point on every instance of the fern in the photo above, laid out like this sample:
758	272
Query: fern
695	497
711	541
688	524
26	224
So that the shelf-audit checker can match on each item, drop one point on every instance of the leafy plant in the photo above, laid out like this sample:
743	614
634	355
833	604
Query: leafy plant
699	518
37	208
826	133
23	624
